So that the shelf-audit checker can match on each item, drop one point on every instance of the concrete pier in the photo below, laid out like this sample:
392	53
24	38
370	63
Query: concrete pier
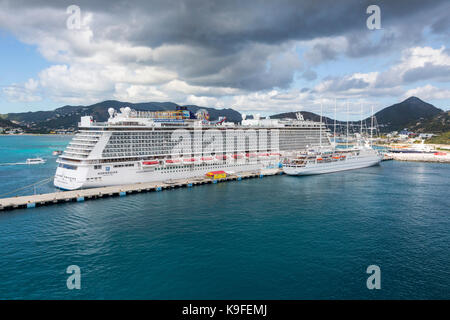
423	157
82	195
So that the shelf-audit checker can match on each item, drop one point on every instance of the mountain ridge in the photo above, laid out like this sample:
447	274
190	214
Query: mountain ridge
411	113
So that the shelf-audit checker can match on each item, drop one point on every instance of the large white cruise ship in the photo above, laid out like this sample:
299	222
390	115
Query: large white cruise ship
142	146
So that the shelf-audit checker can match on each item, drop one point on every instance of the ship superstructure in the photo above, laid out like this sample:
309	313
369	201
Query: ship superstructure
141	146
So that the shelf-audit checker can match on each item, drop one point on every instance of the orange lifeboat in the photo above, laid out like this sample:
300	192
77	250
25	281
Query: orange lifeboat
150	163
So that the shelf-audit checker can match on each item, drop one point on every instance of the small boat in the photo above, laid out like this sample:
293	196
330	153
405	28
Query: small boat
57	152
35	161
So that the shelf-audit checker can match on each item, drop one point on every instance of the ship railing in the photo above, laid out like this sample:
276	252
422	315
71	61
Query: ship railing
95	124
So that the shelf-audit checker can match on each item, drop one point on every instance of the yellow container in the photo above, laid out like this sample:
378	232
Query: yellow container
217	175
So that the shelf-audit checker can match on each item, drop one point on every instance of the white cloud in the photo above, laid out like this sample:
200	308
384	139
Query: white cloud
134	60
428	92
22	93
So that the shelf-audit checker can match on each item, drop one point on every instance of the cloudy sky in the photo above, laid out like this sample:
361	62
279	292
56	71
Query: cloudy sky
253	56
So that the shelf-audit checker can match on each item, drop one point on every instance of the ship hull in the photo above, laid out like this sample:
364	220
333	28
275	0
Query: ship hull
108	175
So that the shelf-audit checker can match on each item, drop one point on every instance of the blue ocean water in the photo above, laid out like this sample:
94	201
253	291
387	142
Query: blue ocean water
278	237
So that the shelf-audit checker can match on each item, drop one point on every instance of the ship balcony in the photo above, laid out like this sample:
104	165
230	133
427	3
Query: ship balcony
84	139
78	150
75	154
81	145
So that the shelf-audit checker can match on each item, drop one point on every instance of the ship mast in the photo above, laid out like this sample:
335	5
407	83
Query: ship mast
334	122
360	129
320	139
346	139
371	128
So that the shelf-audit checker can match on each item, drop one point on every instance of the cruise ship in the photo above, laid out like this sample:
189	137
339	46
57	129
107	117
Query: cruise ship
144	146
332	160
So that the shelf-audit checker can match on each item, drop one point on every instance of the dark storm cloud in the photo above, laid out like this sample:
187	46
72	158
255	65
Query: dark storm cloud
428	72
336	84
249	44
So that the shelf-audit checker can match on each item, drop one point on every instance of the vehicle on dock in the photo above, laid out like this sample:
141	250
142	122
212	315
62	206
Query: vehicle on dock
215	175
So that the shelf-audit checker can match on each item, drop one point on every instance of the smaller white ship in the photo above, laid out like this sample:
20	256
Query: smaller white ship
331	161
319	161
35	161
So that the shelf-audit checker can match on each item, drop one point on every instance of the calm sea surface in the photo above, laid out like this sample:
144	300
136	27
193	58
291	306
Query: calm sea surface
273	238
